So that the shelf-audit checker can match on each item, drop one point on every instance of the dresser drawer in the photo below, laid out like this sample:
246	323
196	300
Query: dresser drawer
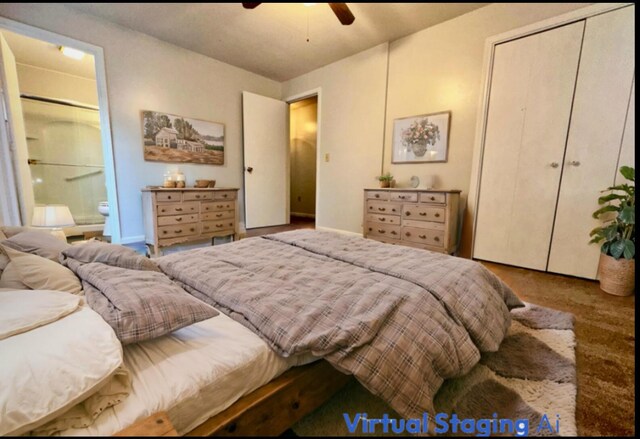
410	197
216	216
171	220
423	236
195	196
423	213
384	219
172	197
217	206
377	195
224	195
385	230
433	197
177	209
383	207
424	224
179	230
217	226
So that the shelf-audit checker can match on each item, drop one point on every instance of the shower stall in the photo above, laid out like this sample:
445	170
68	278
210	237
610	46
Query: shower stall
66	158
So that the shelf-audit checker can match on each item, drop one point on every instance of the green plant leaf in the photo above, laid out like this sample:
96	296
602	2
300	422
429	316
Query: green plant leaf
629	249
595	231
617	248
628	172
596	240
604	209
605	247
611	197
628	215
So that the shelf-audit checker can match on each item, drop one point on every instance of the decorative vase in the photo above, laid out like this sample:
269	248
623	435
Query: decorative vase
419	149
384	183
617	277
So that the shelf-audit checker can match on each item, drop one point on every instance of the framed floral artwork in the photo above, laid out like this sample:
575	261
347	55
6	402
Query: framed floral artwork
421	139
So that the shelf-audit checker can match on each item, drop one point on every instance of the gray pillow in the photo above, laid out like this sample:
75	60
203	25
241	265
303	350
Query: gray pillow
140	305
37	243
110	254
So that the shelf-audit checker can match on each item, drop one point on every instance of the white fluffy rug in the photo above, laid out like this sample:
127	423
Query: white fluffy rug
532	377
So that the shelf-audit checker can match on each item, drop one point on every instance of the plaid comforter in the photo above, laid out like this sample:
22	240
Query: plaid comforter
401	320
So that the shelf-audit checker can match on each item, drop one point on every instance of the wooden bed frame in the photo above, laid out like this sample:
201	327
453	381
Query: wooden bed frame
271	409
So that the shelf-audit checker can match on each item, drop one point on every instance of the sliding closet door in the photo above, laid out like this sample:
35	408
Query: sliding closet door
532	86
597	125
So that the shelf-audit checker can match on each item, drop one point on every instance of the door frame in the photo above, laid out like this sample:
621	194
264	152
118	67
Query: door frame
487	70
103	104
317	92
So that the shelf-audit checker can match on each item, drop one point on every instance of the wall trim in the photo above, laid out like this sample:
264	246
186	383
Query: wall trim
343	232
483	105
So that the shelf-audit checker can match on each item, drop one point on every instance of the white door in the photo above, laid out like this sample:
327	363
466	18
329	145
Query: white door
266	160
532	85
17	196
597	126
628	148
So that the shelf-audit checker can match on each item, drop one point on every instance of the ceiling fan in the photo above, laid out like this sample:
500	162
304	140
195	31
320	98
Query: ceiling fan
340	9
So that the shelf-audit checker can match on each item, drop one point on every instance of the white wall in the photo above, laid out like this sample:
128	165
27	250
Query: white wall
144	73
303	117
351	116
50	84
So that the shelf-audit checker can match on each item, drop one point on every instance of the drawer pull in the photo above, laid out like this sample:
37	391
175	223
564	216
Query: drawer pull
162	210
393	232
402	197
164	231
218	215
436	239
178	231
219	225
179	219
219	206
197	197
407	234
432	198
370	229
422	236
178	209
437	215
407	213
382	219
168	197
380	231
382	209
225	195
377	195
423	213
192	229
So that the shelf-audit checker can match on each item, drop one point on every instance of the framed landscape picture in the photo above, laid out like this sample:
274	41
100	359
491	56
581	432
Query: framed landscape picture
177	139
421	139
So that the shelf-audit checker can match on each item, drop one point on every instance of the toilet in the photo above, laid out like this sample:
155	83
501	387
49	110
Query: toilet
103	208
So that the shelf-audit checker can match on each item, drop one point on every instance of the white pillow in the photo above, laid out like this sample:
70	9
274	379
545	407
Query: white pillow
47	370
22	310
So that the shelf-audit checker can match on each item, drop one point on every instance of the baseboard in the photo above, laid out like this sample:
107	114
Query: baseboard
303	215
344	232
132	239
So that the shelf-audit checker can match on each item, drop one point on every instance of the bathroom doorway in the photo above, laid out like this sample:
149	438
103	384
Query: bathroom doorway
58	134
303	129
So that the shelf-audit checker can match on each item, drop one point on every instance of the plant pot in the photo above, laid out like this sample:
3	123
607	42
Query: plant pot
617	277
384	183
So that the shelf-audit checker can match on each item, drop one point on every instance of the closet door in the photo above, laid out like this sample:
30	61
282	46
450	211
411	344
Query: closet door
532	87
597	125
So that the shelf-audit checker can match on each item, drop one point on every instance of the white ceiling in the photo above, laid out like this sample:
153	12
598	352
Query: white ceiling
46	55
271	39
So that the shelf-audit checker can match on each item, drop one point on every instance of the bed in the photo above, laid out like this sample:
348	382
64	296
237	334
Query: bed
400	320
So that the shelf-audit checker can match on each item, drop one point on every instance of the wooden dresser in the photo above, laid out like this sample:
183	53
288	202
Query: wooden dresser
173	216
426	219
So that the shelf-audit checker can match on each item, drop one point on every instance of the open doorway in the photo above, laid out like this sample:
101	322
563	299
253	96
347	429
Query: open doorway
303	127
60	155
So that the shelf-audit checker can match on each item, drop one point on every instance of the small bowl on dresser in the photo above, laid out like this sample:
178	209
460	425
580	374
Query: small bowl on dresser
203	183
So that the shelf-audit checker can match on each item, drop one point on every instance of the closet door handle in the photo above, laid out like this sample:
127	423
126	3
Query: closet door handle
574	163
554	164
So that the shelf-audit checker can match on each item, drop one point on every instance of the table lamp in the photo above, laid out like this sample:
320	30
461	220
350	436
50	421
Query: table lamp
53	216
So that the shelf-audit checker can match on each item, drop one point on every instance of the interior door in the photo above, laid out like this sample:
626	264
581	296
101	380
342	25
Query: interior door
597	126
532	85
266	160
17	205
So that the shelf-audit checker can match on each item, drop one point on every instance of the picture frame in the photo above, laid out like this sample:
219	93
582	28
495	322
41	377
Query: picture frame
177	139
421	139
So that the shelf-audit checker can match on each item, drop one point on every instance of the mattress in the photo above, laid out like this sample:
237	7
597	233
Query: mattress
192	374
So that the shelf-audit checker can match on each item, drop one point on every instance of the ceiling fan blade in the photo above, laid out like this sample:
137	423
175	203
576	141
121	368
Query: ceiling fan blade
251	5
342	12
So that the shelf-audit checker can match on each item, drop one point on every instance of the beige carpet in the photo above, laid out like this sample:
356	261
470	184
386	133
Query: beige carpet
531	379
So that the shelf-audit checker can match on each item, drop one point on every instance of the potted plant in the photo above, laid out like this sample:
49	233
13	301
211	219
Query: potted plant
617	236
385	179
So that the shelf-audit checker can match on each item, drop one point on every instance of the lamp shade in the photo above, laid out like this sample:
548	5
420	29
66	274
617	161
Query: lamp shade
52	215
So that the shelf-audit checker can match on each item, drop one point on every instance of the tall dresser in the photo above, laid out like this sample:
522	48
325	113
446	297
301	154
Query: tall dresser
426	219
174	216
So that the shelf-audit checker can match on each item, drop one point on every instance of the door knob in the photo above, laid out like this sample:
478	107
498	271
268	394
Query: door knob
554	164
249	169
574	163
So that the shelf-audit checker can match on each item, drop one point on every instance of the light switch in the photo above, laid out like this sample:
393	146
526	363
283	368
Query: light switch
326	157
